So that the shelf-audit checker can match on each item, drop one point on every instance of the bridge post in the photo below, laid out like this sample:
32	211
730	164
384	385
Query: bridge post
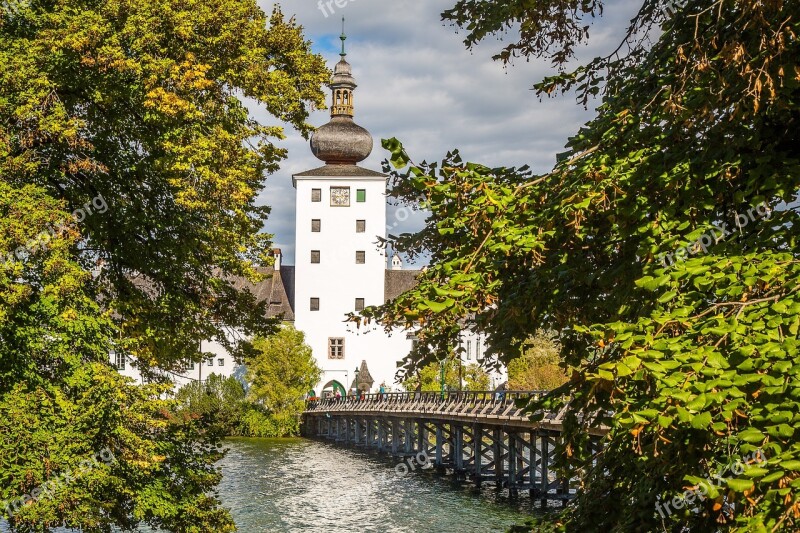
458	450
422	440
439	447
498	453
512	464
395	437
408	437
534	452
477	439
545	473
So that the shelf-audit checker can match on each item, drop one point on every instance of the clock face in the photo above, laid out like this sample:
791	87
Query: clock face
340	196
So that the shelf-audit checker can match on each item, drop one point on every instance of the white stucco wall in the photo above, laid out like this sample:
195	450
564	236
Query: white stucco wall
198	373
337	280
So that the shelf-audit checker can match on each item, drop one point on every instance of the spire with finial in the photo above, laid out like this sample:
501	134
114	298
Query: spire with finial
343	37
342	141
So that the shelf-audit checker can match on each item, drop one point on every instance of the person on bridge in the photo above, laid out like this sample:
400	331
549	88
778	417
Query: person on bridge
501	391
382	390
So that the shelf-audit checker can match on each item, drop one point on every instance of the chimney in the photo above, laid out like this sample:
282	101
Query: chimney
278	256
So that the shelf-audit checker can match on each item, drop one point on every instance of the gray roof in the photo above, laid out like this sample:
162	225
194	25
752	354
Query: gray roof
275	290
340	171
399	281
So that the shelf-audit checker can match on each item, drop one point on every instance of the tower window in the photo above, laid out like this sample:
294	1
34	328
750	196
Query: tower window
315	304
359	304
361	258
335	348
120	360
316	195
221	362
340	196
315	256
361	195
469	350
361	226
210	362
316	225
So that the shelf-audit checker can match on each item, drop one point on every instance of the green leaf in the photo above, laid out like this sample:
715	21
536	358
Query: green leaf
739	485
701	421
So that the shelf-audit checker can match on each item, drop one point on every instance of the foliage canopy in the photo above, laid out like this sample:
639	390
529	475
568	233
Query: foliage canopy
281	373
137	107
691	365
457	376
61	403
141	103
539	365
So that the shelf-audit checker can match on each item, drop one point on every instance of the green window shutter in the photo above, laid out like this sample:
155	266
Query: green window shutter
361	195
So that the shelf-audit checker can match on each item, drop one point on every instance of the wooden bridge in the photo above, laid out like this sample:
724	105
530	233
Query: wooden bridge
476	436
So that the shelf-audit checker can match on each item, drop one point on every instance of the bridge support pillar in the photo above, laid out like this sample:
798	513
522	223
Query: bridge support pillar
458	450
533	464
439	447
498	453
512	464
395	437
477	439
545	469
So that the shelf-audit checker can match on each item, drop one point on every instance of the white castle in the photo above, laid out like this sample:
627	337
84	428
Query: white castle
341	269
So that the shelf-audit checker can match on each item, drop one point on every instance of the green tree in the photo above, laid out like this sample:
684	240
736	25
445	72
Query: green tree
538	368
61	403
141	104
218	400
662	248
281	373
474	377
133	114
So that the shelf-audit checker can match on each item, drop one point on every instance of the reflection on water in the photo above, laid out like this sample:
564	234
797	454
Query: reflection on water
307	486
302	485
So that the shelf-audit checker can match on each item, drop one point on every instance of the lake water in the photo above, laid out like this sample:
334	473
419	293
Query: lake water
309	486
300	485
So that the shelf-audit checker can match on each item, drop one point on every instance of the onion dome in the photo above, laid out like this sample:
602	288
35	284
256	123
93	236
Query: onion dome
341	141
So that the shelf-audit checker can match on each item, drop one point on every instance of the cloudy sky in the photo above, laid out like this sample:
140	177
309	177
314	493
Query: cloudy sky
417	82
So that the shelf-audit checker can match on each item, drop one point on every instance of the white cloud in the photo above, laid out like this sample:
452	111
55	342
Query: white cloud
418	83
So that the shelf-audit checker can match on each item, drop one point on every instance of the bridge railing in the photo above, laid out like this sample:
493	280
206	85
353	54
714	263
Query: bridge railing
508	405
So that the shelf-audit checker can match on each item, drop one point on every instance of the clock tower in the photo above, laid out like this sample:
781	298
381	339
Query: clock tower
340	269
